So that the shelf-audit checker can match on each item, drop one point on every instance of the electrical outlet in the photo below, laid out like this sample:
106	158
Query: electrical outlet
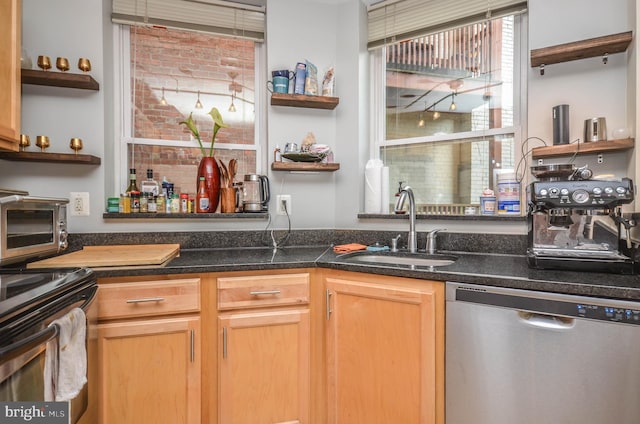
79	203
284	204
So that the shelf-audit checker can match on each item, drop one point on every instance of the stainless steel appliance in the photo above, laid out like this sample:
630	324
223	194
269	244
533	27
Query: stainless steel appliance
595	129
578	225
516	356
256	193
31	226
29	302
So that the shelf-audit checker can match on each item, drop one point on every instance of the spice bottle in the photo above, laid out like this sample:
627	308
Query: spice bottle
277	155
135	201
144	202
202	198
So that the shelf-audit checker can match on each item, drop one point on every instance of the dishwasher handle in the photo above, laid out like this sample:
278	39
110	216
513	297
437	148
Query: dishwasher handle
547	322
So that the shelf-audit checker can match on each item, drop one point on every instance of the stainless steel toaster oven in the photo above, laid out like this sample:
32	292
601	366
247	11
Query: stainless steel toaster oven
31	226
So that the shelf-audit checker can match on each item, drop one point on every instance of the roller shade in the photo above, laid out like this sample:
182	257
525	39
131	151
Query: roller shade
234	19
391	21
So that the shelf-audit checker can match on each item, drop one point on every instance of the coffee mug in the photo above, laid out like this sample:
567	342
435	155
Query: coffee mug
282	73
278	85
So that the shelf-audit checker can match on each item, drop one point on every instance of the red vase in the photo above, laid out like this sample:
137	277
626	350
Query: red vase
208	169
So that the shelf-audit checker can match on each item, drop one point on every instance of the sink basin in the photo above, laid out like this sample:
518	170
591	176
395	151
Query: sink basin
400	258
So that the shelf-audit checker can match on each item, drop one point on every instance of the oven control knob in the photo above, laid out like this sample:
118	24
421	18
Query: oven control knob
63	243
597	191
580	196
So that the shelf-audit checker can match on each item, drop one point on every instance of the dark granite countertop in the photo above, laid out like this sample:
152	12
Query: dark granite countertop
504	270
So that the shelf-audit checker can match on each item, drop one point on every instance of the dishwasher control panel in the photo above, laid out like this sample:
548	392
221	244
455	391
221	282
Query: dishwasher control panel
548	304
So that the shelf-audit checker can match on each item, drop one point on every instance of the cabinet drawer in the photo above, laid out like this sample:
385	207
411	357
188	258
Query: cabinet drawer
263	290
147	298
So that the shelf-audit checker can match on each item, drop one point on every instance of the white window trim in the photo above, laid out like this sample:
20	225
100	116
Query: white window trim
122	111
378	121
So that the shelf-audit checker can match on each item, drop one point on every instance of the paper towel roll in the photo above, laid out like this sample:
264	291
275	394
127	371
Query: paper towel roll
373	186
385	190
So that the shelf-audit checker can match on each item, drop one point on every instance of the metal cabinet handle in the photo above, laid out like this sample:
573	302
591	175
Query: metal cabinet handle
192	346
224	342
146	299
262	292
328	304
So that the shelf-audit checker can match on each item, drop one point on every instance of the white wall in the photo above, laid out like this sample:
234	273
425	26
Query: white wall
326	33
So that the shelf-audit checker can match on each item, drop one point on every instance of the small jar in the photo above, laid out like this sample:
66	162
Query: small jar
175	203
161	205
144	202
152	206
135	201
184	203
126	203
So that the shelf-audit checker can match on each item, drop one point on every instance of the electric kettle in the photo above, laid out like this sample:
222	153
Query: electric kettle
256	193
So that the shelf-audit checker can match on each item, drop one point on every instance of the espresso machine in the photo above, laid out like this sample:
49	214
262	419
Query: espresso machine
578	225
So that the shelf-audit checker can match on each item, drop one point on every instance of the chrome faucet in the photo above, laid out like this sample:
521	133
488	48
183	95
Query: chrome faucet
431	241
412	240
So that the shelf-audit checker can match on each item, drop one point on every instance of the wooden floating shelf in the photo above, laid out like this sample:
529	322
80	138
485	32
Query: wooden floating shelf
593	47
305	166
59	79
300	100
50	157
582	148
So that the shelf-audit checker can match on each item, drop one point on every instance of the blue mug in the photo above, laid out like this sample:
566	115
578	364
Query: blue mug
278	85
282	73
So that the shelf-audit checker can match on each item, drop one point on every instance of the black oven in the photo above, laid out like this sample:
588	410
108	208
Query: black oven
30	300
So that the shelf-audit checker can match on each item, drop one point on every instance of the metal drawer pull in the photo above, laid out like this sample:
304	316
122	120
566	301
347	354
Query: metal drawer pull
146	299
261	292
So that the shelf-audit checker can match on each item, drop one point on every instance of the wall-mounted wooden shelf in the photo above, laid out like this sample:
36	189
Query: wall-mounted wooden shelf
305	166
583	49
50	157
59	79
300	100
582	148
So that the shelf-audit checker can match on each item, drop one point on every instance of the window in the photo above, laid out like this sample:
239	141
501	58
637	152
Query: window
169	73
449	114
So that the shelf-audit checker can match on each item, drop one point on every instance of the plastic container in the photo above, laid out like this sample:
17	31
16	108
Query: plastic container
508	193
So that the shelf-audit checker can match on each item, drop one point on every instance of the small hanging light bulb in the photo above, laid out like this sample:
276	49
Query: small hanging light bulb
163	101
198	103
436	115
232	107
453	103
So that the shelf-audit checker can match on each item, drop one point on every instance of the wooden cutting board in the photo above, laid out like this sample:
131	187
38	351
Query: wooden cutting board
110	257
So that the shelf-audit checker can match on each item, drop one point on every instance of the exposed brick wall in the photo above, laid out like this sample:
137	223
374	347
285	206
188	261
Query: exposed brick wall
182	63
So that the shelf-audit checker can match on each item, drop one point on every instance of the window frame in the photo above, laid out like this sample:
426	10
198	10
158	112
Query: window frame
123	115
520	110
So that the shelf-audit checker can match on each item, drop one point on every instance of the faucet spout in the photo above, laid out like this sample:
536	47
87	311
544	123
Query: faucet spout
412	239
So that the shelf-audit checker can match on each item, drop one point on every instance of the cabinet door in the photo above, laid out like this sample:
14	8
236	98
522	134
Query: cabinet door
264	367
10	24
150	371
381	353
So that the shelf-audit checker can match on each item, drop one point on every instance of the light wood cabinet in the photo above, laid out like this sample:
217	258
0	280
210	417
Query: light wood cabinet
385	349
10	33
149	351
264	352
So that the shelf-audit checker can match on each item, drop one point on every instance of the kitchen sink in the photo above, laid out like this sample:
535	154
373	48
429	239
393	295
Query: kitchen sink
399	258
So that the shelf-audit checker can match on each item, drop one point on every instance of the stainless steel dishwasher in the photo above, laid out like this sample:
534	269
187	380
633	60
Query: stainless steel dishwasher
527	357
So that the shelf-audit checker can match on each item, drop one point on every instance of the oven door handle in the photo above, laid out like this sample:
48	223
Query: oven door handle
28	343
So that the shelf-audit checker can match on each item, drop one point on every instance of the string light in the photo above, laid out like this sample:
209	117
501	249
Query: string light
198	103
163	101
453	102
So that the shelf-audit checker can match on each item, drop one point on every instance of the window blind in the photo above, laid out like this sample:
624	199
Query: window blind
391	21
234	19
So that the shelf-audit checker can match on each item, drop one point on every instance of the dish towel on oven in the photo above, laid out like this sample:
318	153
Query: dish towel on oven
65	366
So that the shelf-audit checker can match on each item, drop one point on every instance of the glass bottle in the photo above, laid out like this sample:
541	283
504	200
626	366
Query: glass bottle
133	186
150	185
202	198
